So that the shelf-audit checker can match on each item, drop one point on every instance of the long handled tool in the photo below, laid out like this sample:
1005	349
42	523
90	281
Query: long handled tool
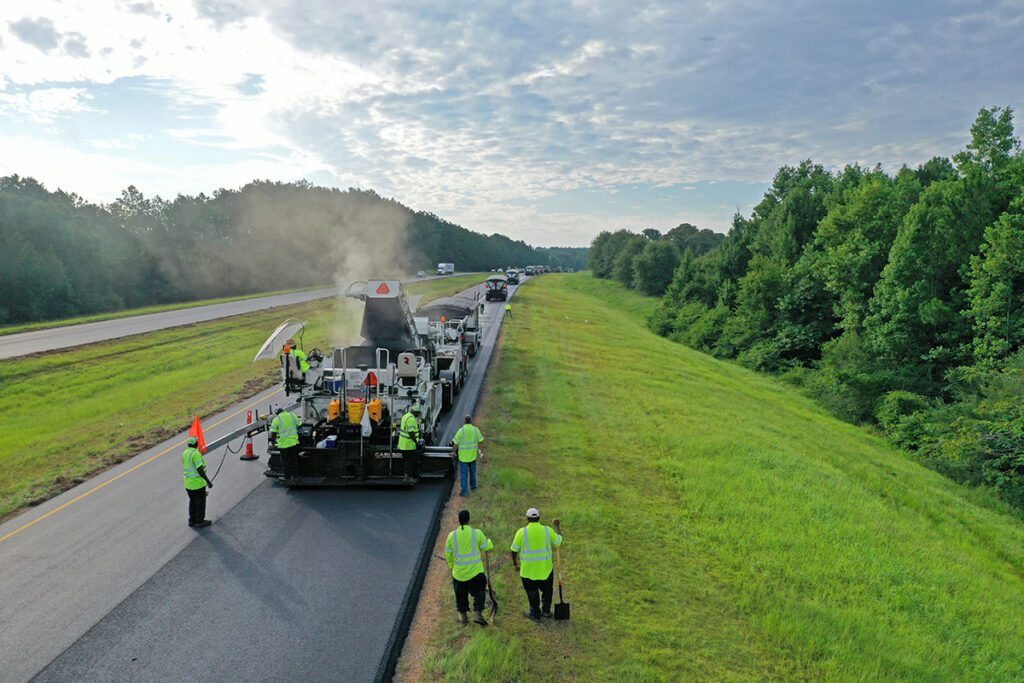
490	590
487	574
561	607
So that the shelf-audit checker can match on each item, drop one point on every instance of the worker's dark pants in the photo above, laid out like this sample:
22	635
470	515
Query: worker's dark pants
411	462
289	460
477	587
538	592
196	505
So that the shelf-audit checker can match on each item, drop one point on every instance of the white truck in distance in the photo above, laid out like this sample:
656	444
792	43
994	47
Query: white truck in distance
445	268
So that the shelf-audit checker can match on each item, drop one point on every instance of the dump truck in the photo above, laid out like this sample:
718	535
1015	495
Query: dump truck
496	288
455	330
466	309
351	401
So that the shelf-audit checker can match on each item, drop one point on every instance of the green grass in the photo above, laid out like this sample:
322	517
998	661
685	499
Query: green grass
69	414
719	526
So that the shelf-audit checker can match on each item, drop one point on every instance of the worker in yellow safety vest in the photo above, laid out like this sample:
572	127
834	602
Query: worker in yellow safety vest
284	433
462	550
466	446
196	483
508	310
409	441
290	347
532	550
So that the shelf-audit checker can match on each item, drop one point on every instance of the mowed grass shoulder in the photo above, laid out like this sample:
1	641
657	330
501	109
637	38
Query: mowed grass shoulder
719	526
71	413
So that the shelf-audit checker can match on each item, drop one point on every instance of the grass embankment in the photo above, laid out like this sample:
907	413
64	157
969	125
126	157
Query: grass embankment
72	413
719	526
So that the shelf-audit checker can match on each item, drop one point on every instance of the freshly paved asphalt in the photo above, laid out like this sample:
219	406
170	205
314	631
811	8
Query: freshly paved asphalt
107	582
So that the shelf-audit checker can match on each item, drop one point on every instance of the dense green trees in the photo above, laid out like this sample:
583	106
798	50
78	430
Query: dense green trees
647	261
63	256
895	299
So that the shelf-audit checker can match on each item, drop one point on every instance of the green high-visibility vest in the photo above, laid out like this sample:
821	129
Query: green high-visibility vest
408	432
462	550
535	544
191	461
300	358
468	439
286	427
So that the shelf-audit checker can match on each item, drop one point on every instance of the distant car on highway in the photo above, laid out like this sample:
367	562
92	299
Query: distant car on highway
421	273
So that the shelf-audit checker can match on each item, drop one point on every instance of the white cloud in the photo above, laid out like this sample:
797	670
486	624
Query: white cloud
518	103
45	105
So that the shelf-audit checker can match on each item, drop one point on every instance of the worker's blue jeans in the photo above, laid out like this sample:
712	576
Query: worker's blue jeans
467	470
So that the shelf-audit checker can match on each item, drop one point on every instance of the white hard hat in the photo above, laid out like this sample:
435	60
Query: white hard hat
533	513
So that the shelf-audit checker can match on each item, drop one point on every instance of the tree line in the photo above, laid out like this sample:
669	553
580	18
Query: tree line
896	299
64	256
646	261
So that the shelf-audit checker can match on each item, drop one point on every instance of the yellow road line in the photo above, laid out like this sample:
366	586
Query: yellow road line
91	491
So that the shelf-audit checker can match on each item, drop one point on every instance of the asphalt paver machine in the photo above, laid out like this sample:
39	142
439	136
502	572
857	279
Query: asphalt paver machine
351	401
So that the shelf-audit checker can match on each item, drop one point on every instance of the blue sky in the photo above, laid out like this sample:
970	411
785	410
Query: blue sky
547	121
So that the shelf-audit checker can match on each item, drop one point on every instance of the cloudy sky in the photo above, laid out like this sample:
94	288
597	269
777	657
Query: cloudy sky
547	120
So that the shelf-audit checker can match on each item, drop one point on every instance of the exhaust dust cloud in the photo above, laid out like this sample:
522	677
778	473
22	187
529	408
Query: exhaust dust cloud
326	236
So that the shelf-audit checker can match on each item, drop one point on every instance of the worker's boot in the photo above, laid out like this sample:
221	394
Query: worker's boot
463	618
479	619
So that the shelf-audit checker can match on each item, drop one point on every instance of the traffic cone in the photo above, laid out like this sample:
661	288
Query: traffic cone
249	455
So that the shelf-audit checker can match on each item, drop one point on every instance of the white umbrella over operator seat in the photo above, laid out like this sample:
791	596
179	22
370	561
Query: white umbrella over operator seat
276	340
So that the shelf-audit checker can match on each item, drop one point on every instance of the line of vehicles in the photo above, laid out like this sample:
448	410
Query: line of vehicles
351	400
449	269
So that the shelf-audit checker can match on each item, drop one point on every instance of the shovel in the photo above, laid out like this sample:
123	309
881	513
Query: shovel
490	590
561	607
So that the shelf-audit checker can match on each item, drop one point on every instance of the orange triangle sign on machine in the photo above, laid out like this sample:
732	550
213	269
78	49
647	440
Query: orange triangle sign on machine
383	289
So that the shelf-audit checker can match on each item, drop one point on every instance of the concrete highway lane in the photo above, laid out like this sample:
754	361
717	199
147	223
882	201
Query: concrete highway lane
24	343
107	582
66	563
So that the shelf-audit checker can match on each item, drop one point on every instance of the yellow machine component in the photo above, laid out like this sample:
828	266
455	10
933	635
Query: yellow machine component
356	406
376	409
334	409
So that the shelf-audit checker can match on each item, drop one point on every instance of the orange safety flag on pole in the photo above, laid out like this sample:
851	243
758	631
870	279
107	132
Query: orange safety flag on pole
197	431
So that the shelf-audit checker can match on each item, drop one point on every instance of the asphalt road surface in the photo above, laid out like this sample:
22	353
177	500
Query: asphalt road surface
24	343
107	582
